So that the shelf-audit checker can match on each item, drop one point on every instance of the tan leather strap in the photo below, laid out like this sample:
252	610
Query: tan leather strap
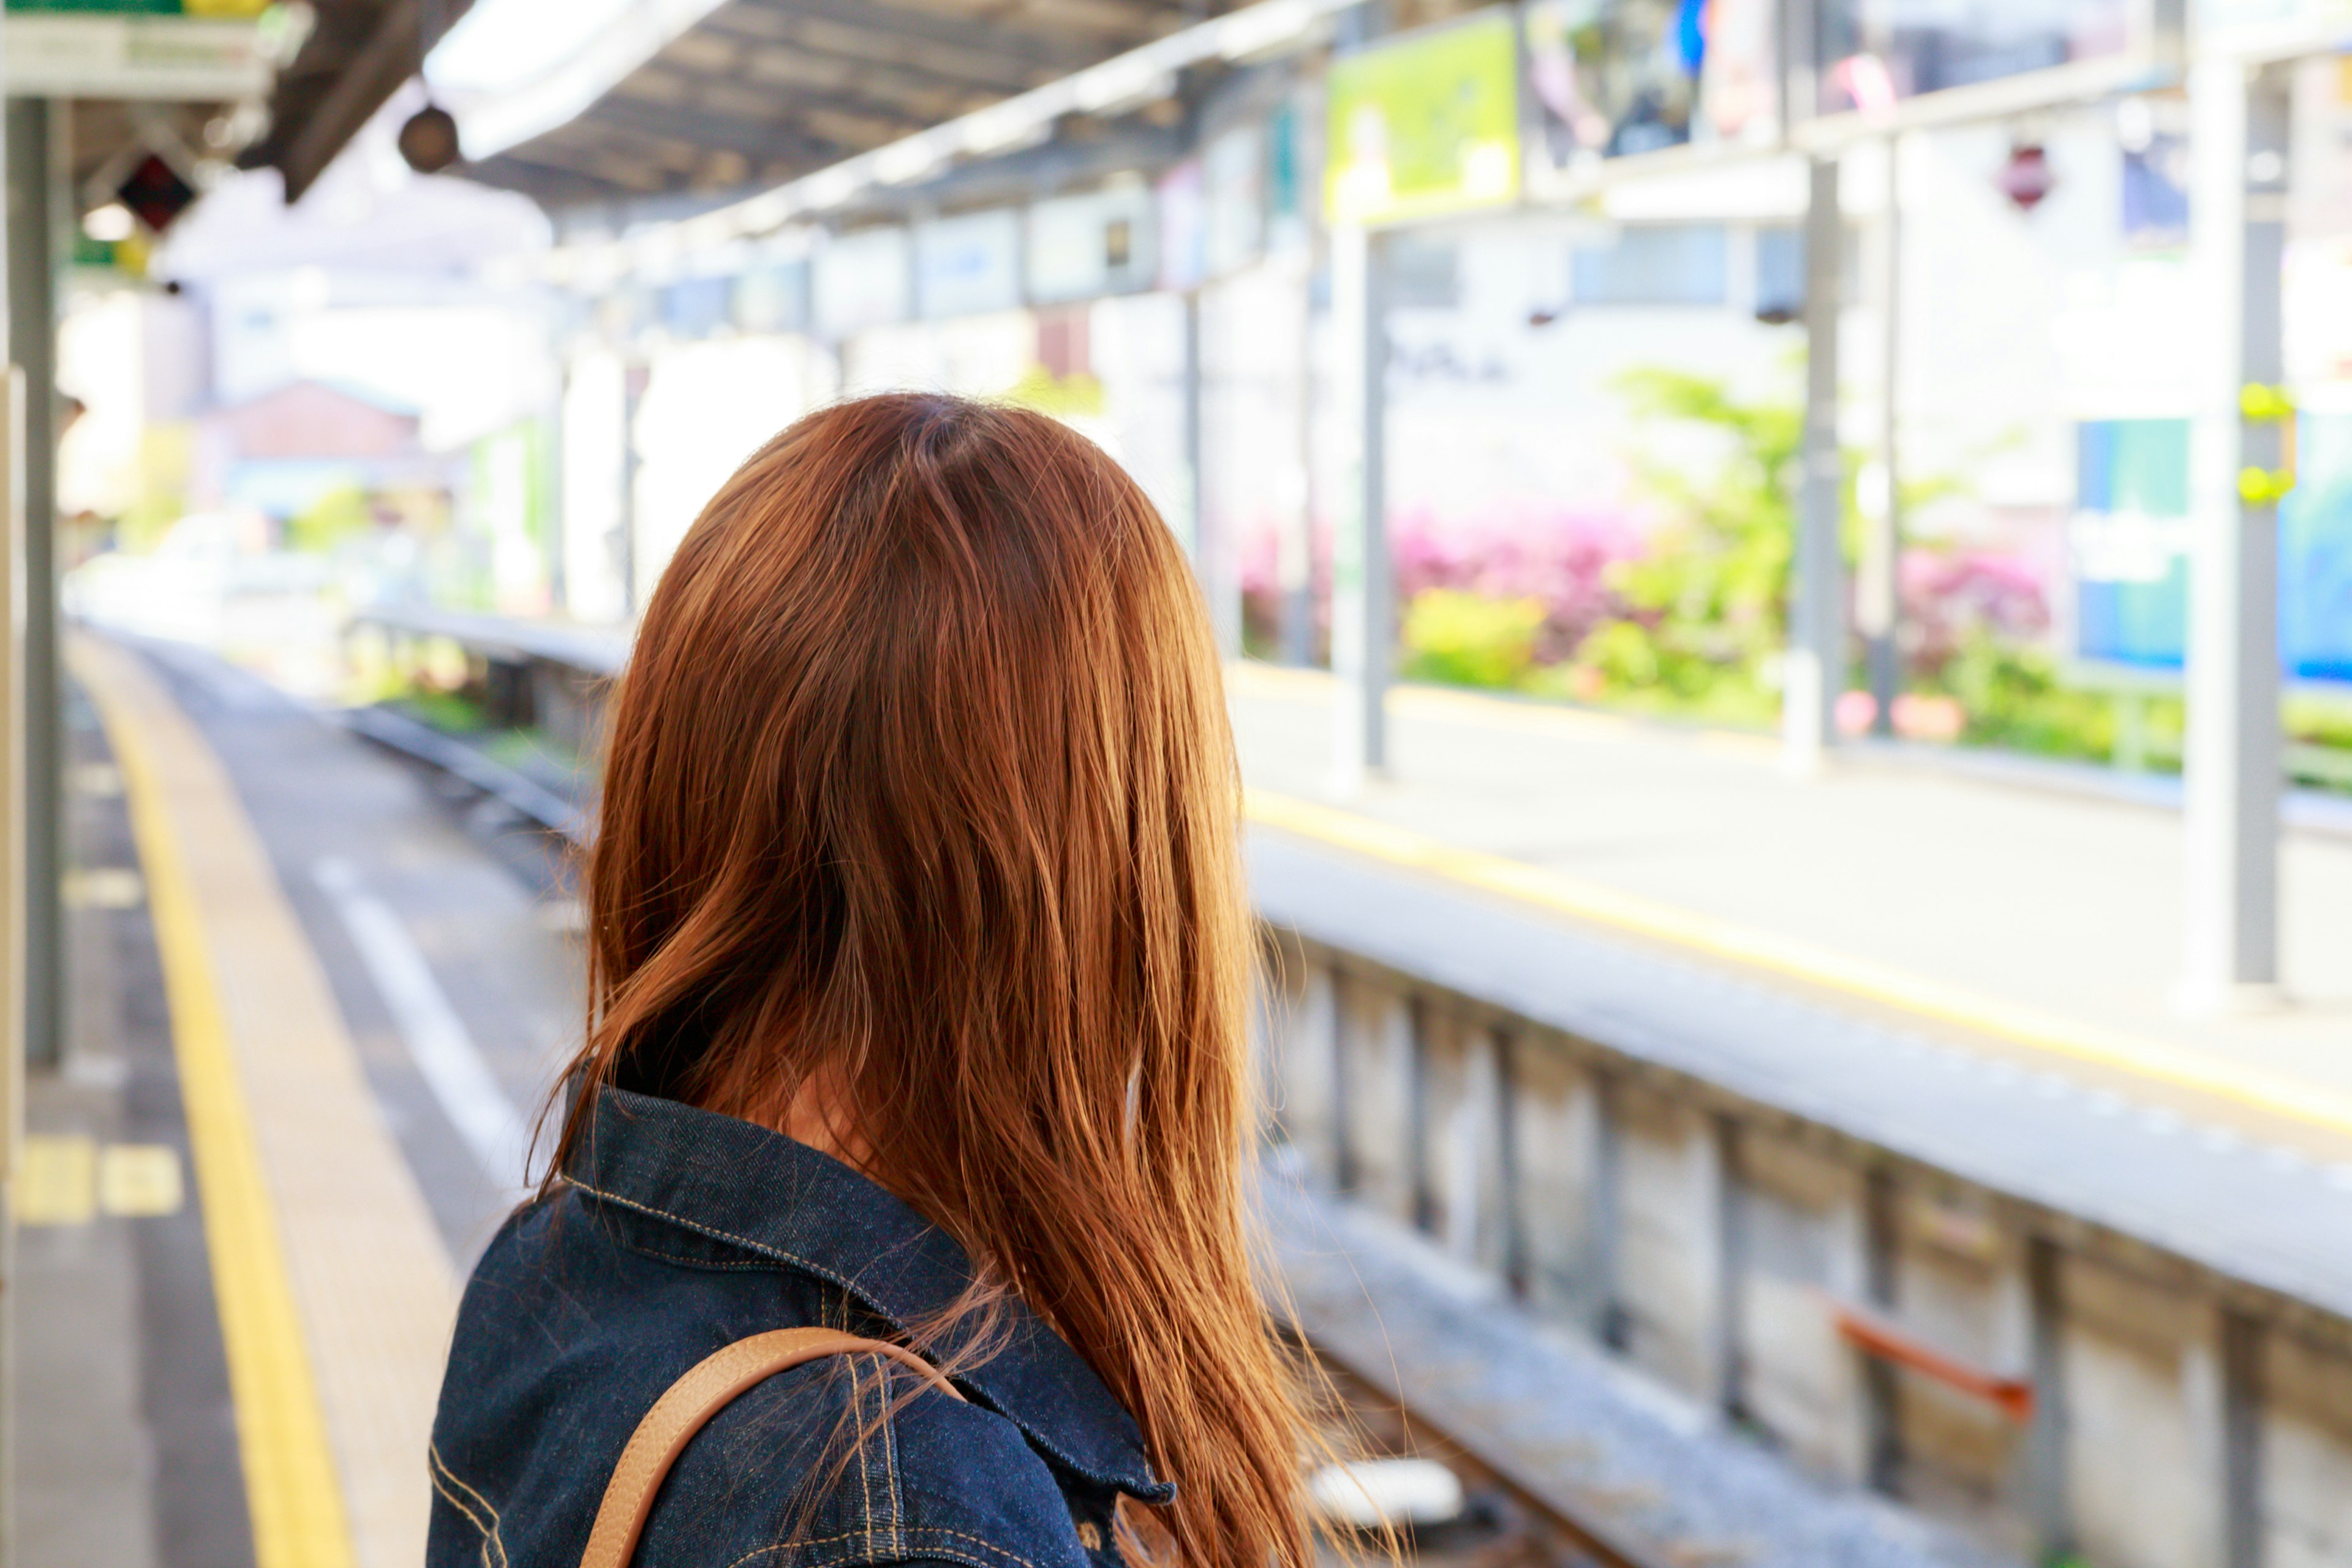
693	1400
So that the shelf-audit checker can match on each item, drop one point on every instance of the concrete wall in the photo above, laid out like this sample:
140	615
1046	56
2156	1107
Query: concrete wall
1728	1250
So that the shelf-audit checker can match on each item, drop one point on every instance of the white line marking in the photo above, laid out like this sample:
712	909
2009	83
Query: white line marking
468	1093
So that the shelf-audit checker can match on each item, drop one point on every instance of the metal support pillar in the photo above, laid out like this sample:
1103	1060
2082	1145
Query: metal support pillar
39	195
2237	145
1813	671
635	377
1294	567
1878	585
1361	617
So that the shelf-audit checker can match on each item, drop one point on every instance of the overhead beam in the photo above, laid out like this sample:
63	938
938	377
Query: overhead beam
388	59
903	35
772	140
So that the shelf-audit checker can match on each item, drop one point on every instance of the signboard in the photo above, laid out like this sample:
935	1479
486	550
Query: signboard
1612	78
2269	28
1233	172
2128	543
969	266
1425	124
860	281
772	297
194	50
1084	246
1871	55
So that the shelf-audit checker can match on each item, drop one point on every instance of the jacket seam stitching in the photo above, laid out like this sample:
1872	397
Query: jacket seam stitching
492	1541
985	1545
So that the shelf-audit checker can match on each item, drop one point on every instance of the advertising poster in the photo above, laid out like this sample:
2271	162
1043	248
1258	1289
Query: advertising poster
1613	78
1425	124
1873	54
2130	546
969	266
860	281
1081	247
772	297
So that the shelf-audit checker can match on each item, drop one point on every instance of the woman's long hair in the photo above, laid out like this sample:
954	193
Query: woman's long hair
919	782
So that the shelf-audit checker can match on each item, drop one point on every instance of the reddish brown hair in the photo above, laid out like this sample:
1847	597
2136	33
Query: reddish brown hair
919	778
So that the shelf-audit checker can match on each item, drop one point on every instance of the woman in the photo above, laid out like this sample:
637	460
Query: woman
917	963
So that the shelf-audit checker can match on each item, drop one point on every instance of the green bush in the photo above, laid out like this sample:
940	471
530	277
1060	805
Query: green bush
1466	639
1709	602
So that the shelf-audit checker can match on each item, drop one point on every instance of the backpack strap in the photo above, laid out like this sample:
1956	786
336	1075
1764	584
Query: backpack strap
693	1400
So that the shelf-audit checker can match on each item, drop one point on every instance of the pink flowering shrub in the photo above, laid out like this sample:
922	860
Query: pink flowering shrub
1557	556
1955	598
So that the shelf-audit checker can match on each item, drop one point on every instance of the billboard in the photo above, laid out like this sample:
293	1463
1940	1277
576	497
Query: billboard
1081	247
1425	124
969	266
771	296
1611	79
2128	543
860	281
1871	55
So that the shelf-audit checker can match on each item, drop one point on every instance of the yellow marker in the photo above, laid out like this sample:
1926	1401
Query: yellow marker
69	1179
291	1489
139	1181
1803	961
56	1181
103	887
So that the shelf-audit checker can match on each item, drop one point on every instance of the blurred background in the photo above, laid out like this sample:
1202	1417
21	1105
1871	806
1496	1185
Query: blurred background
1786	567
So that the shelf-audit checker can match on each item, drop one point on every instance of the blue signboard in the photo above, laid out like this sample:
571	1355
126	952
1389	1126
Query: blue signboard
2129	544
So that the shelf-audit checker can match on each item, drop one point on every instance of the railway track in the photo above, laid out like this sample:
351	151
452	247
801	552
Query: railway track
1508	1519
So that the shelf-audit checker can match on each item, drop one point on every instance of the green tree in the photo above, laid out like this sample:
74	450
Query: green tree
1708	601
331	519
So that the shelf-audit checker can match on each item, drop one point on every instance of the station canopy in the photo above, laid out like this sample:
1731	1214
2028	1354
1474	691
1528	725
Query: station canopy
624	102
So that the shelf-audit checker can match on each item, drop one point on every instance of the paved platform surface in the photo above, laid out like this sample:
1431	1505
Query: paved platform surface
360	931
2059	904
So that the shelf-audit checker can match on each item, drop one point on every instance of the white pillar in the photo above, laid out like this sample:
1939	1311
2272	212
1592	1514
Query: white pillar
1813	670
2238	146
1361	629
1295	559
1878	580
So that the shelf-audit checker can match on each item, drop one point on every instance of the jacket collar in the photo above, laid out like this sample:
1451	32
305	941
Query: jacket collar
767	1193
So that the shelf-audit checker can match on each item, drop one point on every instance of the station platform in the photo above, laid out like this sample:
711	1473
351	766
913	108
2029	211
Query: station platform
2029	912
319	992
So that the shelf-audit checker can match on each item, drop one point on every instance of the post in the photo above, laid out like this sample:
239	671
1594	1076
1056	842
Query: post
39	187
1360	613
634	376
1295	551
1879	588
2237	216
1214	561
1813	671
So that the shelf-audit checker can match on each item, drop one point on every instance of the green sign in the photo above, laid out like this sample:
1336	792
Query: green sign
1426	124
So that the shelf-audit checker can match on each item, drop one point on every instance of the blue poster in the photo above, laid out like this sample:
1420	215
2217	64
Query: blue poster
2129	544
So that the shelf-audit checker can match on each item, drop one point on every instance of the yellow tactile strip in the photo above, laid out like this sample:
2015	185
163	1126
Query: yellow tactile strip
1808	962
335	1292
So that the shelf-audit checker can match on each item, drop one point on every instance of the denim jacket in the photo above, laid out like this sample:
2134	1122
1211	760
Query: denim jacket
677	1232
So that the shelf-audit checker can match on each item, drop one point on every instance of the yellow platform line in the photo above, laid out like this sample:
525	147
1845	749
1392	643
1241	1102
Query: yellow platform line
291	1489
1802	960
